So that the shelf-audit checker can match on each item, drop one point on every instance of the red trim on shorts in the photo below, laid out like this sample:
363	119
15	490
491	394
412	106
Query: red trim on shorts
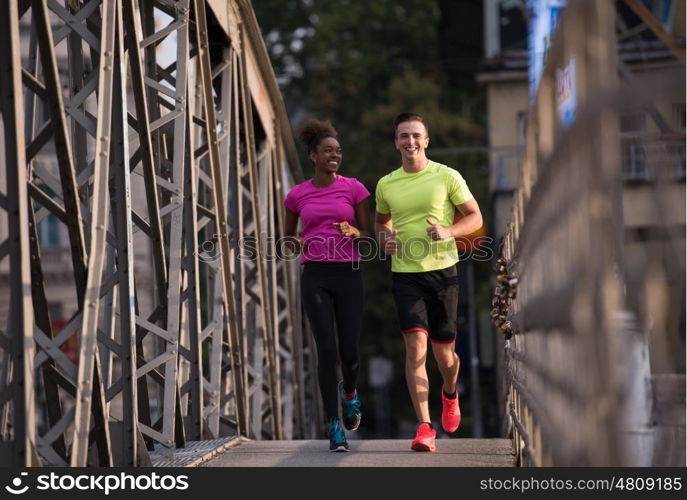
415	329
441	341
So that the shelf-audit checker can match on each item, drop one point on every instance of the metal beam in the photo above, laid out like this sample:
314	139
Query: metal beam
142	298
20	326
655	25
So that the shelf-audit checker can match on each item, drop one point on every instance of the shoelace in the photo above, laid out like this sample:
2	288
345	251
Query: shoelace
423	432
352	404
452	406
335	432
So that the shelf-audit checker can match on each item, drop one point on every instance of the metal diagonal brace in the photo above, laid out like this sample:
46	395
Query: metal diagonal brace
655	25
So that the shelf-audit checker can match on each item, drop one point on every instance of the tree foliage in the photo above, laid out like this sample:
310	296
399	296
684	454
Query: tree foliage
338	56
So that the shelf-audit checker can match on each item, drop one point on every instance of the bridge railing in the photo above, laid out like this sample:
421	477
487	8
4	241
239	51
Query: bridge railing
576	386
152	138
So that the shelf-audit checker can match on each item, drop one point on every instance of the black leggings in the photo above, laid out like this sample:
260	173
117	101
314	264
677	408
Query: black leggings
333	291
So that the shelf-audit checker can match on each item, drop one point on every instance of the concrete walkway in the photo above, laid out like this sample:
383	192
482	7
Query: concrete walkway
365	453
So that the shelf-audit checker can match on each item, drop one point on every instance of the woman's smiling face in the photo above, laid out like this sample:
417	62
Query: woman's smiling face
327	155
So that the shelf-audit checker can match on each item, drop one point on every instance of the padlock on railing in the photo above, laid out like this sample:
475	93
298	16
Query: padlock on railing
504	292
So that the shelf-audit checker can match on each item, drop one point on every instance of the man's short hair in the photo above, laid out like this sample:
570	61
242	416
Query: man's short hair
409	117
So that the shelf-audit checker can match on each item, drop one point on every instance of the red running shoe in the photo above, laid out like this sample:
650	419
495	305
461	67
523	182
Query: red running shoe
450	412
424	438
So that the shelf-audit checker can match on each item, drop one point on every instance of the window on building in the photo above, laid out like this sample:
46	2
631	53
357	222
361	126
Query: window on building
522	127
632	129
679	148
49	227
513	25
49	232
56	311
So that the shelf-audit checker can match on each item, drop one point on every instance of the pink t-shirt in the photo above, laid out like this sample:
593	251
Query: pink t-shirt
319	209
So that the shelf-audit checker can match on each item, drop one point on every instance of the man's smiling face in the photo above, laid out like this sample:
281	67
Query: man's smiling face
411	139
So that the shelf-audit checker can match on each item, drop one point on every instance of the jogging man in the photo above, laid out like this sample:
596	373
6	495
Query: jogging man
414	223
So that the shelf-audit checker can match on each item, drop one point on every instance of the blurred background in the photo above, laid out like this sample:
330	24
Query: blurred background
471	68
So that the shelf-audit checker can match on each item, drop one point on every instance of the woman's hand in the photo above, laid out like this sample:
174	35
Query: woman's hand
291	245
345	229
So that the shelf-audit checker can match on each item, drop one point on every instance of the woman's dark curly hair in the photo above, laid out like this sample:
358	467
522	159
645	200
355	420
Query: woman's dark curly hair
313	131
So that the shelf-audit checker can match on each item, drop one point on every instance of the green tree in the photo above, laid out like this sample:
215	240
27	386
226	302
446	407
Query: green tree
337	57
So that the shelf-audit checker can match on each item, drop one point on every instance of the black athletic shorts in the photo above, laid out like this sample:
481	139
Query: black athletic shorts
428	302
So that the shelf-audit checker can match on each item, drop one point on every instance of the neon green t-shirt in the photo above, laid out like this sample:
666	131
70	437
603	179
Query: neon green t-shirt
411	198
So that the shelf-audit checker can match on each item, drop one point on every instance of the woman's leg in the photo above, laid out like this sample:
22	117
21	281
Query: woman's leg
348	308
318	307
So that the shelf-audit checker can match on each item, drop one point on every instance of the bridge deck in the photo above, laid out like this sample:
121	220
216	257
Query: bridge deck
366	453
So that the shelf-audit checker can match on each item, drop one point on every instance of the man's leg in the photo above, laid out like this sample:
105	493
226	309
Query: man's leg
442	326
412	315
416	373
448	363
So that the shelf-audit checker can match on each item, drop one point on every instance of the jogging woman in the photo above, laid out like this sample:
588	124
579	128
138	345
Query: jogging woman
334	213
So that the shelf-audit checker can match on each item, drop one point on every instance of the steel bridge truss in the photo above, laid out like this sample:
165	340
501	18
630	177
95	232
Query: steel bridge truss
171	156
575	359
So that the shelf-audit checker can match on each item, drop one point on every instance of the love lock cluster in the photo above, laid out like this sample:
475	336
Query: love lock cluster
504	293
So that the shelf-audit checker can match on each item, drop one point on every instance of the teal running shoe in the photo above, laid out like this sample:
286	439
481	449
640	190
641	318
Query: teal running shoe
337	438
350	409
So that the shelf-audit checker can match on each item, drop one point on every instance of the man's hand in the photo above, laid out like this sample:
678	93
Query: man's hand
345	229
437	232
391	243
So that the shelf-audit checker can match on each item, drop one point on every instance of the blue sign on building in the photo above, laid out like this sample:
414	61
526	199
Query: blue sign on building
544	18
